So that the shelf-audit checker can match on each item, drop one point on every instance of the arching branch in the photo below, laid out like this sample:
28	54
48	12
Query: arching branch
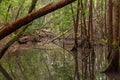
32	16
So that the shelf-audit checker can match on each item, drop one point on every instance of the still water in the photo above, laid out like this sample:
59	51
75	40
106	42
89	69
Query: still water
49	63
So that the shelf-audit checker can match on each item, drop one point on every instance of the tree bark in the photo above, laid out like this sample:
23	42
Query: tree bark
32	16
114	59
114	64
110	27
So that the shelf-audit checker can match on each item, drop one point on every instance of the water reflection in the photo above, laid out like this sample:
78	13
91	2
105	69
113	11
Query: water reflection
51	64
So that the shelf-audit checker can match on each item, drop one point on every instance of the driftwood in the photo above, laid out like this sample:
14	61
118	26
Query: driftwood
32	16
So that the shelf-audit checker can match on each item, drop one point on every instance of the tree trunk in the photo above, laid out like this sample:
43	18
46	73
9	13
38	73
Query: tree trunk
114	60
110	28
32	16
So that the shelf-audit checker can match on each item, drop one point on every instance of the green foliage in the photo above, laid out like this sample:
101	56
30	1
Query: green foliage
36	25
64	17
13	6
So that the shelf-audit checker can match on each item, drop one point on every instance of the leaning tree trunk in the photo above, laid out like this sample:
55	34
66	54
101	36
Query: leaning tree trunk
32	16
